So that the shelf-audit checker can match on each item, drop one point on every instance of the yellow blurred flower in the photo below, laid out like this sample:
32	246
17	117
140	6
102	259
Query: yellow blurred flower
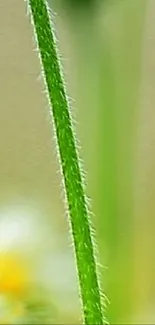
14	282
13	274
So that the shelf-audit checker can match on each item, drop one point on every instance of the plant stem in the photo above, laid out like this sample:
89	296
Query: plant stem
69	163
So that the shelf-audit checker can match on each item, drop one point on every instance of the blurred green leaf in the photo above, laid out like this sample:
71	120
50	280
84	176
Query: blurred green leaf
39	309
81	3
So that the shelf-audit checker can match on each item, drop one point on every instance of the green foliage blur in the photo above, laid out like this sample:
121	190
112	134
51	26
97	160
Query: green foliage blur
81	3
107	48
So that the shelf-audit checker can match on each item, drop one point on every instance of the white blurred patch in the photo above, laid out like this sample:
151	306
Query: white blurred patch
57	272
19	228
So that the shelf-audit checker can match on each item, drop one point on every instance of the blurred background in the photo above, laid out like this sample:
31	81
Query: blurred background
107	51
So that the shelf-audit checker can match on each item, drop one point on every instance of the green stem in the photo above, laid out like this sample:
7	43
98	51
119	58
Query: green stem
69	162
